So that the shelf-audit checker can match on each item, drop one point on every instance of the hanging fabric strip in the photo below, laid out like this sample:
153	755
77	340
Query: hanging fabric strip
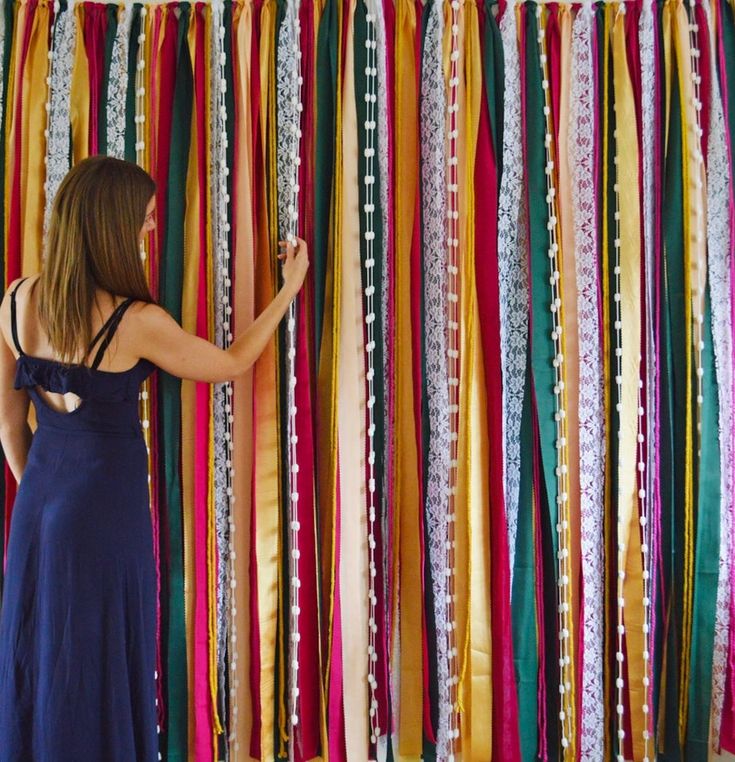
692	308
406	474
582	148
188	388
353	490
490	666
719	244
628	535
221	268
33	126
649	145
561	60
513	276
117	90
327	294
196	288
223	416
57	143
11	207
92	32
433	180
268	551
79	93
241	721
707	480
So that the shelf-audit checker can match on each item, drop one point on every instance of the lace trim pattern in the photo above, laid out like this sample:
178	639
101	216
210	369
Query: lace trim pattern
57	142
382	153
118	88
218	132
433	108
648	96
591	413
719	247
512	272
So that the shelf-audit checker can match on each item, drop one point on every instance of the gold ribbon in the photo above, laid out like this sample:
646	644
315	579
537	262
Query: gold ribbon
406	465
477	741
243	287
609	598
79	94
20	12
33	169
267	464
695	256
630	269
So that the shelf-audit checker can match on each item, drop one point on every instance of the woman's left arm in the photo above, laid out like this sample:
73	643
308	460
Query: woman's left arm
15	433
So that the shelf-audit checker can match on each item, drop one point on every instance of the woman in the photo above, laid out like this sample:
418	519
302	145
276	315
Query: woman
77	623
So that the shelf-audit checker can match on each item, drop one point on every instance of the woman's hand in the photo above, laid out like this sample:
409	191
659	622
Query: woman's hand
295	264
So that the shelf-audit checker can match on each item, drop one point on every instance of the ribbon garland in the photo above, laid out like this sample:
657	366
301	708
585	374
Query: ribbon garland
506	465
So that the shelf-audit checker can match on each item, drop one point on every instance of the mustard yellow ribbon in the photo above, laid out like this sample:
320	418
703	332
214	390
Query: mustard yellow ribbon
406	466
630	264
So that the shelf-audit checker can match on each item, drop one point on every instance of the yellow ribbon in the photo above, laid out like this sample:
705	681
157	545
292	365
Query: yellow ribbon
33	169
630	264
477	660
19	11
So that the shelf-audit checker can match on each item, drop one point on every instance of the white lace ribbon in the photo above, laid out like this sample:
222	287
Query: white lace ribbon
222	444
718	258
512	273
591	410
57	143
117	90
382	153
433	178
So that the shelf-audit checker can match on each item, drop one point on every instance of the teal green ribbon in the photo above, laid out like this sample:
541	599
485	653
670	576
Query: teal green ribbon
175	739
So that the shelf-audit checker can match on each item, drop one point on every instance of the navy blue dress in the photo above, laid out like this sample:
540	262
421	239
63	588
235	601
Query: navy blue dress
77	623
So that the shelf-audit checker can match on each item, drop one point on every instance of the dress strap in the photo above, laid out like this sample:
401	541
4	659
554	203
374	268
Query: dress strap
14	318
109	329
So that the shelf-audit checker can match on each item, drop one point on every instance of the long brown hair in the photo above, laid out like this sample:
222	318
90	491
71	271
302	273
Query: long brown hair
92	243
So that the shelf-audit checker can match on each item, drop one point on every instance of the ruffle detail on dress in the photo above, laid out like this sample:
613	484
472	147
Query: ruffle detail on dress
52	376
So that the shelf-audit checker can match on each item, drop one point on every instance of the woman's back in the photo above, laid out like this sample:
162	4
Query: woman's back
98	392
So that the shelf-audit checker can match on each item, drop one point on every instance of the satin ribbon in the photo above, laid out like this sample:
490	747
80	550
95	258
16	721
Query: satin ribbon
243	246
94	34
351	431
478	732
267	479
505	726
79	99
33	124
409	577
627	179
